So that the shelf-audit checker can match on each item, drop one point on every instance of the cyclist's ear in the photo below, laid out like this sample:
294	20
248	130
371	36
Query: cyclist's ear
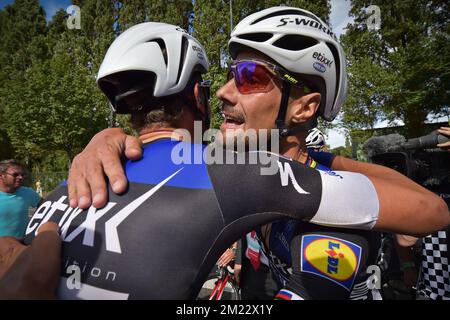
303	108
200	99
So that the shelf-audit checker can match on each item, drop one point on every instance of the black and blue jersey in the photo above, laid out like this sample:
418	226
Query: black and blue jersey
160	239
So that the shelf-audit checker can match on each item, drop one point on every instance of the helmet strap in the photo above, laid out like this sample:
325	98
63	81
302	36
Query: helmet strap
304	126
281	125
204	99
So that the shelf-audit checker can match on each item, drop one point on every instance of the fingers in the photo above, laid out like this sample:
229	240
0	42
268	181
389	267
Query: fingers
46	257
71	189
10	249
87	183
95	185
78	186
226	258
133	148
405	241
113	167
444	146
114	171
49	226
222	260
444	131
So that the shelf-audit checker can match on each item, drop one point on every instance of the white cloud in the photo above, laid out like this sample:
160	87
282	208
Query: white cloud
339	17
335	139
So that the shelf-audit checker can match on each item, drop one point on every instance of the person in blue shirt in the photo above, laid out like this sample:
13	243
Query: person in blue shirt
15	200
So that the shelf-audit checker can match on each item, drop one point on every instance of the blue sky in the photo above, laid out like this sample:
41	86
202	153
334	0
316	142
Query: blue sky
50	6
338	19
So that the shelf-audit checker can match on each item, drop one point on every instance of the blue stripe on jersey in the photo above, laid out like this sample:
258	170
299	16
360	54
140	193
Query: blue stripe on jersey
321	167
157	164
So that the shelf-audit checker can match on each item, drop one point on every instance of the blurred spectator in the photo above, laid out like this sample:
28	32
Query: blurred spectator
252	271
14	199
446	132
228	256
39	187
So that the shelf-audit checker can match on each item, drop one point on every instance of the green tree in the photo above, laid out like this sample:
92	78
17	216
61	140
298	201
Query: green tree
22	34
55	109
168	11
401	71
342	151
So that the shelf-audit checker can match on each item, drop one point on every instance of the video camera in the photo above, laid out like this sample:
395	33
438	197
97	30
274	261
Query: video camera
418	158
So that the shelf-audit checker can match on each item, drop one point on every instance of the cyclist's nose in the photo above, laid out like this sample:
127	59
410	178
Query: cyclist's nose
228	92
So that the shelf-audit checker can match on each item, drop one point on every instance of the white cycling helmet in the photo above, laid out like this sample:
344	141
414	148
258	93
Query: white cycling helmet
301	43
151	59
315	139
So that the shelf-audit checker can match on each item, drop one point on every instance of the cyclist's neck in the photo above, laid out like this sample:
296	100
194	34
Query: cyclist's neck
294	149
148	135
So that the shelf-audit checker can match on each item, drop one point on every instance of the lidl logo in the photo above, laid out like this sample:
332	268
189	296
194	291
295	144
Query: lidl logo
332	258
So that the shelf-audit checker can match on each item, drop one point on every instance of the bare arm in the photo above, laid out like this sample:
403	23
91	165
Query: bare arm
31	272
404	204
374	171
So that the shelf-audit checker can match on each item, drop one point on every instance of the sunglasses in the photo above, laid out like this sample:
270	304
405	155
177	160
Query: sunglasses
16	174
256	76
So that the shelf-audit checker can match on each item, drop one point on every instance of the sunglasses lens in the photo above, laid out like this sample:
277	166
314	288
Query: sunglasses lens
252	77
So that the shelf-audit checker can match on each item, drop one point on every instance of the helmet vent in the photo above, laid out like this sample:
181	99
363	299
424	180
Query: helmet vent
162	45
286	12
256	37
295	42
184	49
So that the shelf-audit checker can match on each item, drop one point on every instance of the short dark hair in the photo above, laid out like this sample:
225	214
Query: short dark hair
6	164
167	109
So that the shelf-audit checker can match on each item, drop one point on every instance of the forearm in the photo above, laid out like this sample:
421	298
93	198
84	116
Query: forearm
361	202
373	170
401	199
409	211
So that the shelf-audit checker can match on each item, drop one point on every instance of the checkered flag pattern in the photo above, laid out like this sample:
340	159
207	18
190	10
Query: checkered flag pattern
434	282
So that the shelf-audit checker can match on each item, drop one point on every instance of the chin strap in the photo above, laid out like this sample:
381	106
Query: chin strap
205	95
281	125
